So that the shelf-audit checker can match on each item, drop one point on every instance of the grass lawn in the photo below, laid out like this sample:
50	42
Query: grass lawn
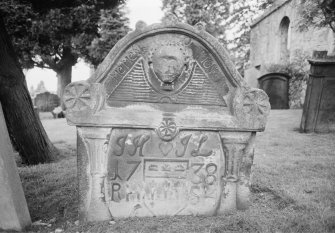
293	186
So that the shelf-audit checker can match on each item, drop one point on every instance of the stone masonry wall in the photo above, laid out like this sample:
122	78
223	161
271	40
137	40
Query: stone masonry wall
265	40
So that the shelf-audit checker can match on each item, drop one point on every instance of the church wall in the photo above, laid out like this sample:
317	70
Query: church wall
265	41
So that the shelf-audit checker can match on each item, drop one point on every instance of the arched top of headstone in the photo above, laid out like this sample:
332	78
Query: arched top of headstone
165	62
170	67
171	35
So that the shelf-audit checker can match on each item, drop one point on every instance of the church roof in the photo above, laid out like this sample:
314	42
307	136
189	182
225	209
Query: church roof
276	5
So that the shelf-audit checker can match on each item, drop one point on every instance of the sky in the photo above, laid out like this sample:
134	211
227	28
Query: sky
148	11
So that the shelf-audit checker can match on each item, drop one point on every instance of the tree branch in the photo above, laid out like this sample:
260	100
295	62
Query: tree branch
50	62
327	17
41	65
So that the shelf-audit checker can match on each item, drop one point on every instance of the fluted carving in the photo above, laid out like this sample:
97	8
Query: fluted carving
97	145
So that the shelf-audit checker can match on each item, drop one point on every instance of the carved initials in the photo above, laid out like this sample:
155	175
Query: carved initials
184	141
116	175
139	142
121	142
197	152
116	189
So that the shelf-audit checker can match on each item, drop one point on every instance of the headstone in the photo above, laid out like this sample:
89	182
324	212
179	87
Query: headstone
319	106
276	87
14	214
166	126
46	102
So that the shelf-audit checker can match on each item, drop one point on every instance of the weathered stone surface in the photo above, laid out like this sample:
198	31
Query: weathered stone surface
166	126
276	87
14	214
319	108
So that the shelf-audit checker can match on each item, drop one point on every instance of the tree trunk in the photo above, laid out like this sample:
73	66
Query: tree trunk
63	78
64	70
25	129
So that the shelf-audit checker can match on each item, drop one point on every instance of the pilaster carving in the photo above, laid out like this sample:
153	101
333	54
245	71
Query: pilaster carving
96	142
237	164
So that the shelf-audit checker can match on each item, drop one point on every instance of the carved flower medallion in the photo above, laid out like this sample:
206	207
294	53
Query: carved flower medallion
77	96
252	107
167	129
255	102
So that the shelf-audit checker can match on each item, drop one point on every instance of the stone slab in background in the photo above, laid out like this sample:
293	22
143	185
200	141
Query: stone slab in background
319	107
46	102
14	214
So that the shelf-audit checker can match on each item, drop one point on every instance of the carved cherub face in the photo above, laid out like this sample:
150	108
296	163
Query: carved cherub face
168	62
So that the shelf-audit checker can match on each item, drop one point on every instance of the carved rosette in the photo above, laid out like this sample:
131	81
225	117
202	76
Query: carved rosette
200	26
83	96
167	130
251	108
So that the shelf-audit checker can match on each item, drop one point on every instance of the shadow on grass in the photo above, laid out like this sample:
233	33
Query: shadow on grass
51	192
281	200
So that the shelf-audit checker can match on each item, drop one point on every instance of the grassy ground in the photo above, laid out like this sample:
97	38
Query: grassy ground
293	186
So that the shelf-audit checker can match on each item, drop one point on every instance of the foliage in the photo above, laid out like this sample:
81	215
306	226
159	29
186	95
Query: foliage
53	34
298	71
212	12
19	19
317	13
227	20
241	15
113	26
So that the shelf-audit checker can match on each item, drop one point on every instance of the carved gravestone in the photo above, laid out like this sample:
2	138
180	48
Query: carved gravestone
319	106
14	214
276	87
166	126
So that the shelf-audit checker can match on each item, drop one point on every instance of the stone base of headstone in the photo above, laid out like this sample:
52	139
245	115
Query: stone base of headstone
14	214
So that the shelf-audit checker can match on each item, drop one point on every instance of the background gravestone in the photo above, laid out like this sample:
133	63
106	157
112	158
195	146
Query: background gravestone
14	214
46	102
276	87
319	107
166	126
